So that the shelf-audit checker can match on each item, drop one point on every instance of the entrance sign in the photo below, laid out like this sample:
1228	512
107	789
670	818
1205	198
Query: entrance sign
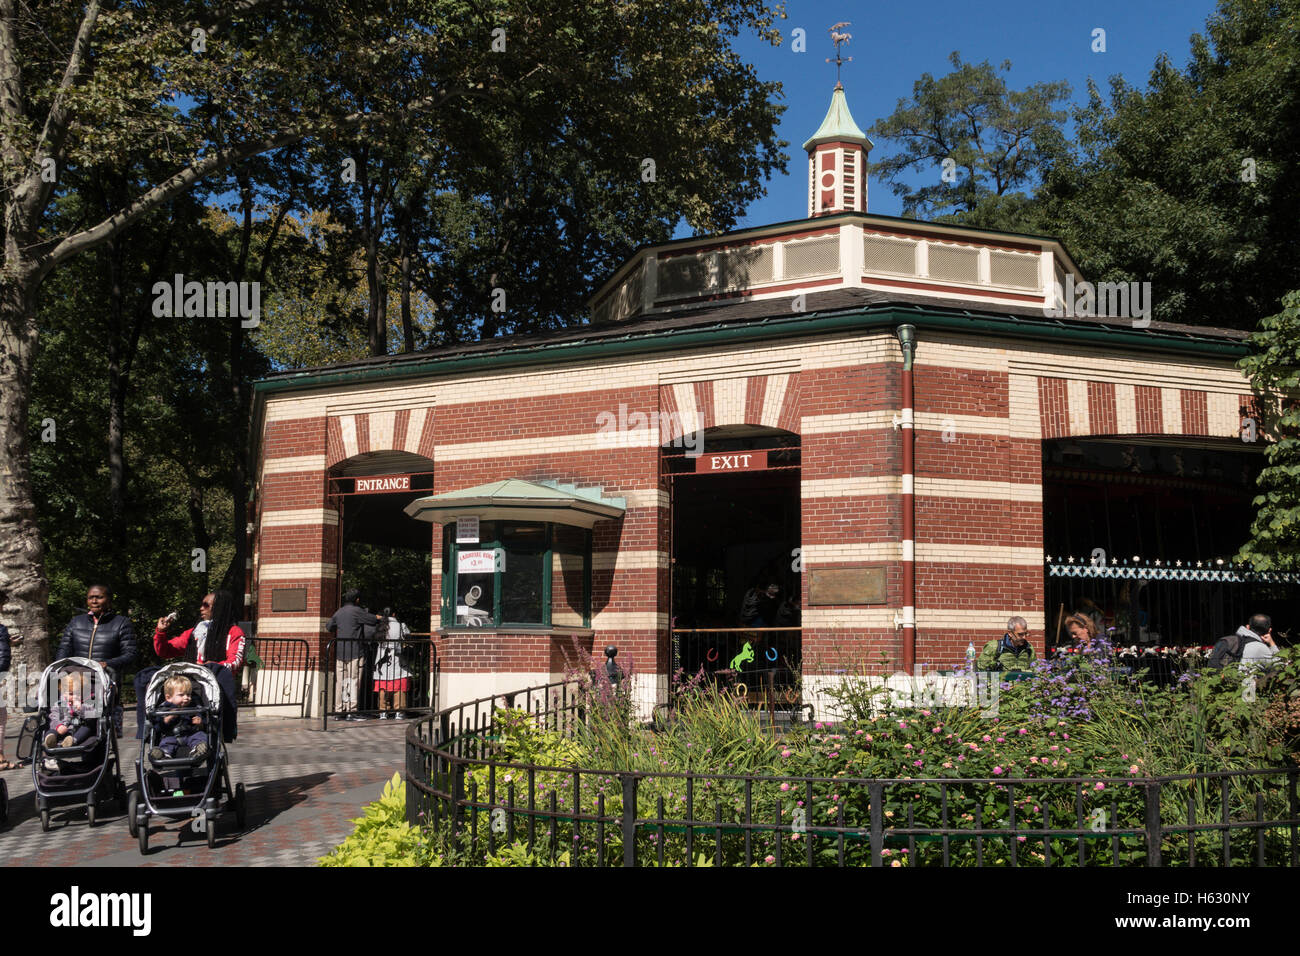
734	461
480	562
369	486
467	530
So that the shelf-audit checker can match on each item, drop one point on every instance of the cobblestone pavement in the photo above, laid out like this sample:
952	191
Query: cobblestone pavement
303	787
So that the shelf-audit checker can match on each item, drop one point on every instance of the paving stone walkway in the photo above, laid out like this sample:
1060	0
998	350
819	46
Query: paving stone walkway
304	786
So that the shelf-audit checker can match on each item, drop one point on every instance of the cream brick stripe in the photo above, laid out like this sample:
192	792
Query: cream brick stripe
977	619
629	621
348	432
279	466
774	399
381	430
1223	414
817	555
925	487
414	430
267	626
1076	391
1171	410
302	516
619	560
305	569
777	360
1126	409
729	401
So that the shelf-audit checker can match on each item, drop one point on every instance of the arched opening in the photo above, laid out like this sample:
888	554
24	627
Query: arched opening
1139	535
381	551
735	543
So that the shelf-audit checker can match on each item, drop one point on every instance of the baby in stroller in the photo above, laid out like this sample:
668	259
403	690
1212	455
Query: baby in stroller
69	723
179	730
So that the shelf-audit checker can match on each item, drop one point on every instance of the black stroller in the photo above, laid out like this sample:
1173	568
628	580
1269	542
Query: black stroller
185	786
83	764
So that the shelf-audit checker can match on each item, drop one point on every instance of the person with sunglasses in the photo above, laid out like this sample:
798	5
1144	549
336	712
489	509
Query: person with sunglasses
216	642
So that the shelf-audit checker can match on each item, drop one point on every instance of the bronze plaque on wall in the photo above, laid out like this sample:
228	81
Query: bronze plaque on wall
846	586
288	599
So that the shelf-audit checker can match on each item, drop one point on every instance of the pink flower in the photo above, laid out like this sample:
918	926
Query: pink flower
784	787
1002	740
769	859
785	753
857	733
1100	786
902	725
1054	747
907	746
886	852
819	725
833	753
986	738
868	738
1033	760
1022	731
997	771
1133	769
917	763
948	764
896	863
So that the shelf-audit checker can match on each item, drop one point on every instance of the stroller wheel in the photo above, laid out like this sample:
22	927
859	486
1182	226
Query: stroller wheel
90	814
4	802
132	808
143	834
45	820
241	805
211	828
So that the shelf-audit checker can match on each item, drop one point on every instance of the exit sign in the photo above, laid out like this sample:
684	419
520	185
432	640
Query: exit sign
734	461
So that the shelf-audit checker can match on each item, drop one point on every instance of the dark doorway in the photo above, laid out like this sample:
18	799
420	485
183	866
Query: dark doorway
735	540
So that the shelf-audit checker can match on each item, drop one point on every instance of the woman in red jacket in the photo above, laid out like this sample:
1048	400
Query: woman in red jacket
215	641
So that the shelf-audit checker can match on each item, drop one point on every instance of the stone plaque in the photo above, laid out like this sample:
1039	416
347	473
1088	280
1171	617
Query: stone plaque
846	586
288	599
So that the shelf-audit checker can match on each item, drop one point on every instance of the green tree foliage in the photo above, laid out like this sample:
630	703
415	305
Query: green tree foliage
1274	369
980	144
499	106
1193	184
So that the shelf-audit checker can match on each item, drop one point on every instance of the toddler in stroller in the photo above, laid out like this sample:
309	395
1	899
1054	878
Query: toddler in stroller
190	732
183	771
76	756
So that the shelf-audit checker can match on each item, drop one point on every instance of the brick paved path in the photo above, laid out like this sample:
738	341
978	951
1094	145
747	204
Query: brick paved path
303	787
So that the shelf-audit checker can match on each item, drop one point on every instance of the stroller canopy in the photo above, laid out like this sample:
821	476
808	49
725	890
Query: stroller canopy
48	693
199	676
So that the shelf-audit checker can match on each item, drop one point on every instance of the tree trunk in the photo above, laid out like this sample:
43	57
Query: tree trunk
22	555
117	383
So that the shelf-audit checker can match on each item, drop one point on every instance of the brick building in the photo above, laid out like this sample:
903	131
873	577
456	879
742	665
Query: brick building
879	418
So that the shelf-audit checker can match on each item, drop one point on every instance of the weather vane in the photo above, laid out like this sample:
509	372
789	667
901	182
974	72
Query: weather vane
839	37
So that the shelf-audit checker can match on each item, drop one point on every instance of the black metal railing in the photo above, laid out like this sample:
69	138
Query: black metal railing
474	803
378	677
277	672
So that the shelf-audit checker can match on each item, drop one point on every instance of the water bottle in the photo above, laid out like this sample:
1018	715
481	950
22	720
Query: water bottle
970	656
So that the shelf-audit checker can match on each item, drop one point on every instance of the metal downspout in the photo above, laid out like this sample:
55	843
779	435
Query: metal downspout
907	340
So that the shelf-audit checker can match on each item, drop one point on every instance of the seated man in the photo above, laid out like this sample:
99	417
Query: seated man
1011	652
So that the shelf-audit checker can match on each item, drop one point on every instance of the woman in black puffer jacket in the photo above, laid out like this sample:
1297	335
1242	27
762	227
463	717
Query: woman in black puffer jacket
100	634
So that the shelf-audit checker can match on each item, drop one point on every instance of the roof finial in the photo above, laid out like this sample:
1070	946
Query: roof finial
838	37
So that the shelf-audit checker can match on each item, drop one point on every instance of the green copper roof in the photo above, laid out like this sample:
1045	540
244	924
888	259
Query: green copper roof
838	124
518	500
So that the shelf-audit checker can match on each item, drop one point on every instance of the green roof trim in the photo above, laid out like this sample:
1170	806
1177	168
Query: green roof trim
884	317
838	124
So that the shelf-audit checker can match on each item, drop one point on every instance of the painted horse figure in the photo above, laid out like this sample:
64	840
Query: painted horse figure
744	657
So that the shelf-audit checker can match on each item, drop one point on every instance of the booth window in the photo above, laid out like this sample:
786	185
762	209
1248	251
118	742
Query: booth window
518	574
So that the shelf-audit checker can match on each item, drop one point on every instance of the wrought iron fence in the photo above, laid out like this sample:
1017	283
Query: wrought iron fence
277	672
377	677
475	803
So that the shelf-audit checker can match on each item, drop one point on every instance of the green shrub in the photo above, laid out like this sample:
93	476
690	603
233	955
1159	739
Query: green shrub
382	836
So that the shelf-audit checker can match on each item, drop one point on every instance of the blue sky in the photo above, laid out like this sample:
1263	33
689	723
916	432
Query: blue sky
894	43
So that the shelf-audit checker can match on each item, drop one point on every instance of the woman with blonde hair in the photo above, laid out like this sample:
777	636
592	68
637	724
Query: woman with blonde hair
1082	631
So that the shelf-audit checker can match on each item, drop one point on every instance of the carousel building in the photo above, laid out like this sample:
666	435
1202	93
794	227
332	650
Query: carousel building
839	440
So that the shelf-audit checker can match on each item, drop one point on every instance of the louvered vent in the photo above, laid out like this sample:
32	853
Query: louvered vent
954	263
